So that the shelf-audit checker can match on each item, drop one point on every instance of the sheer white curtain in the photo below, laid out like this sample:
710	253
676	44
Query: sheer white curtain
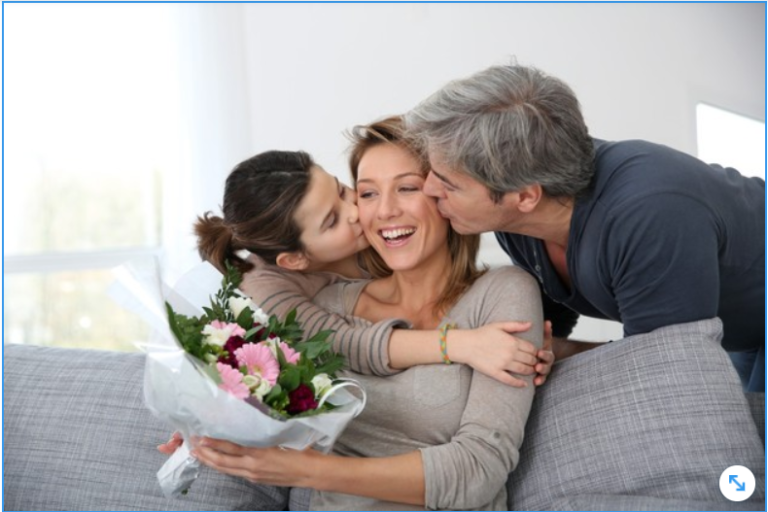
121	122
214	126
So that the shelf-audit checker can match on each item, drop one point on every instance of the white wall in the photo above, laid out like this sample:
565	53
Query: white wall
639	69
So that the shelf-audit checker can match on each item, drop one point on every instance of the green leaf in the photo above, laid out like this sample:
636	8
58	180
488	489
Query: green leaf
245	318
320	336
251	332
290	378
273	393
312	349
173	323
281	358
291	318
332	365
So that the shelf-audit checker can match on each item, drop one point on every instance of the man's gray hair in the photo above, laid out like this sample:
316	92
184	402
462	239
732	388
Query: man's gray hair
508	127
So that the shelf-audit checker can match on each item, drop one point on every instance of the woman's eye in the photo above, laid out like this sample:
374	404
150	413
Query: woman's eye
409	188
332	223
365	195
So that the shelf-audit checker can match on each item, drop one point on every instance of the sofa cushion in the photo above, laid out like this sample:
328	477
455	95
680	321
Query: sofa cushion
660	415
609	503
757	405
76	436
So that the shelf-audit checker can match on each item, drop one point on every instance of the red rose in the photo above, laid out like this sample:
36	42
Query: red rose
301	399
232	344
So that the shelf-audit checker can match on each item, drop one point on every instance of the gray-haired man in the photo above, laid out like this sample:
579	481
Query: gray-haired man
629	231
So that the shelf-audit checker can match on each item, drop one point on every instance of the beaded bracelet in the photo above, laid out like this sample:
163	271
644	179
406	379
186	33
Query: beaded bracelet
443	344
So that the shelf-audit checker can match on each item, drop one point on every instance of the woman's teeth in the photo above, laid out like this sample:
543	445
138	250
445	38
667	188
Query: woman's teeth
394	234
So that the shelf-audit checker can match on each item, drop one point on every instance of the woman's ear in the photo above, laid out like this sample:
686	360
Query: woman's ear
292	260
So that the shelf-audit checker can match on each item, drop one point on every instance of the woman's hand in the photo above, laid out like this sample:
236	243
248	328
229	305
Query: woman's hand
496	352
271	466
172	445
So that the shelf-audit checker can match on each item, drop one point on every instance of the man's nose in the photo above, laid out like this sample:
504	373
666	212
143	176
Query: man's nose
432	186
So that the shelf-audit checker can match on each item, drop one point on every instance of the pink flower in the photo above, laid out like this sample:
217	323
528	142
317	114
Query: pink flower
234	329
218	332
290	355
258	360
232	381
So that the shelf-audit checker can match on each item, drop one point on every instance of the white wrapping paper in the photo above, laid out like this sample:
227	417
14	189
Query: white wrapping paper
178	391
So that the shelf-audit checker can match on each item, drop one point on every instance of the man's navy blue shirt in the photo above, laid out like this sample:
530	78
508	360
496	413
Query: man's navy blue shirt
661	238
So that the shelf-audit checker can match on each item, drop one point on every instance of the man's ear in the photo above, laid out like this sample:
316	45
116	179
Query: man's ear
292	260
528	197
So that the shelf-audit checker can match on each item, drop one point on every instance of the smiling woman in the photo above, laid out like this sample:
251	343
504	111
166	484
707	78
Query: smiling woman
390	177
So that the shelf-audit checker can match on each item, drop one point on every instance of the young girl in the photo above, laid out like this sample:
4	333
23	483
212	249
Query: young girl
435	436
295	216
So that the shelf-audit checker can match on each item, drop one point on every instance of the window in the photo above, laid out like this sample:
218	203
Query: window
730	140
91	117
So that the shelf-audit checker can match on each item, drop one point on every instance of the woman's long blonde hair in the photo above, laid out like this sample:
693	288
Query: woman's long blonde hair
463	249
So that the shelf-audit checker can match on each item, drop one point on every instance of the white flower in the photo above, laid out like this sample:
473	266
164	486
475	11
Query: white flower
259	387
260	316
322	383
238	304
215	335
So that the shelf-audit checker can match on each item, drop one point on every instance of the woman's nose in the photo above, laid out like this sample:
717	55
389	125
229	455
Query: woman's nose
388	207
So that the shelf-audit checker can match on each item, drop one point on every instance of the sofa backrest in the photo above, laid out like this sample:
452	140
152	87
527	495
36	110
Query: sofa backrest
659	415
76	436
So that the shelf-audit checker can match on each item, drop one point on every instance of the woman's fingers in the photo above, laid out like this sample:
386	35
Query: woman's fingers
172	445
224	447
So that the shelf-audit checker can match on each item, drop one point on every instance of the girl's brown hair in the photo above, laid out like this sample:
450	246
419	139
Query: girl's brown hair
261	196
463	248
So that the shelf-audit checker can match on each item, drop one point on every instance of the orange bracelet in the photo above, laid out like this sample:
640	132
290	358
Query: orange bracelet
443	343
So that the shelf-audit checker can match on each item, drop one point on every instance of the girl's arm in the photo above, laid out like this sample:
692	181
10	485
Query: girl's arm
492	349
387	347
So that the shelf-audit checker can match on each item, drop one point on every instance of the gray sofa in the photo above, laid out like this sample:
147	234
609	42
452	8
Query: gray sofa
645	423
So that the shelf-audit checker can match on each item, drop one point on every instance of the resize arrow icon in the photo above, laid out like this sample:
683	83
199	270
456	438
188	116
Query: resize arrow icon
732	480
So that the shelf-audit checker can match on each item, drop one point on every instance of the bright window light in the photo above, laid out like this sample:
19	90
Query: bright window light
730	140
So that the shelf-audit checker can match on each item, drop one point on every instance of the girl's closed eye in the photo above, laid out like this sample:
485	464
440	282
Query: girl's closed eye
332	221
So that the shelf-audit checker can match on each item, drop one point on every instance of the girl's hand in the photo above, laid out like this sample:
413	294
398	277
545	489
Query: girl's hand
271	466
172	445
494	351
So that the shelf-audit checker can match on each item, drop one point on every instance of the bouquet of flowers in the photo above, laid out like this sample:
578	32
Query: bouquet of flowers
229	371
258	358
